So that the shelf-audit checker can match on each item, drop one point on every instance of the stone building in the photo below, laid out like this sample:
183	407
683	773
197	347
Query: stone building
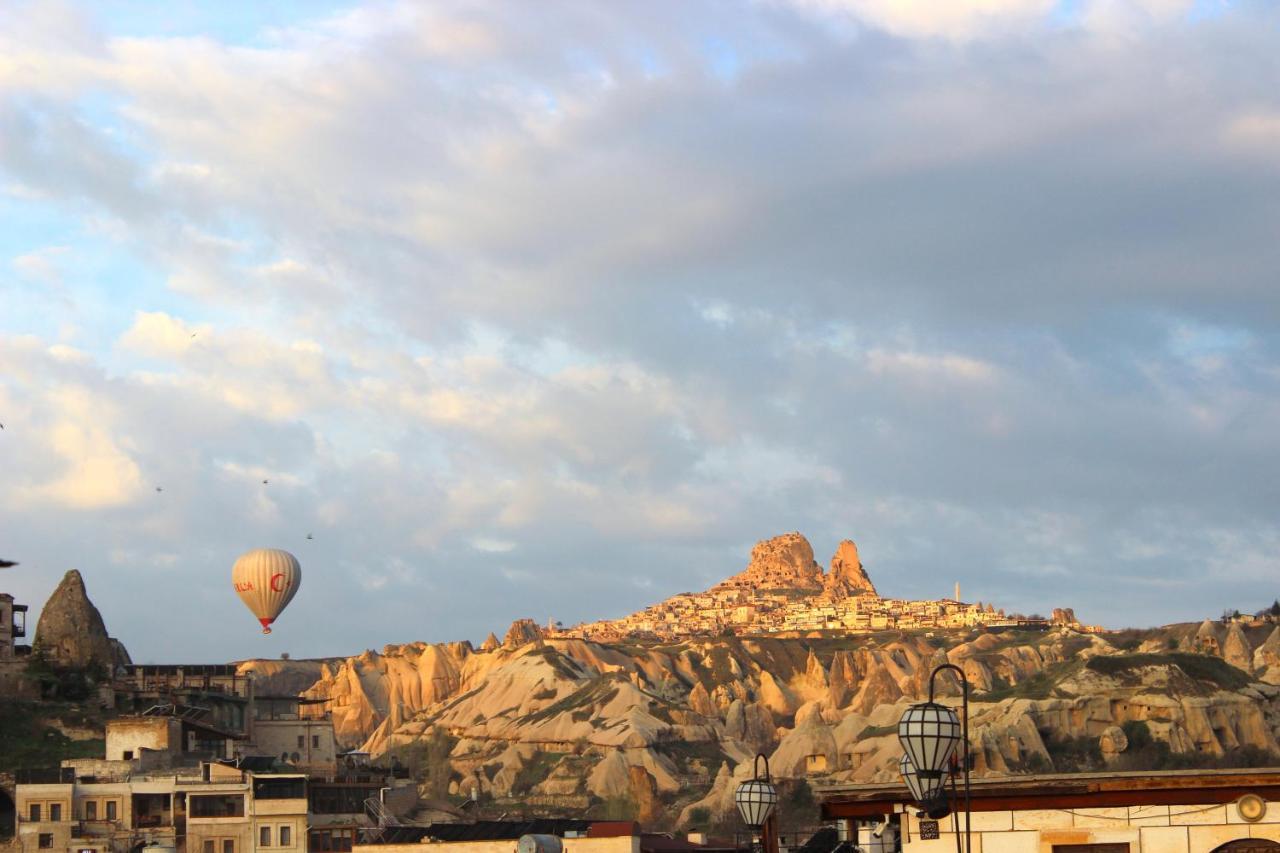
297	731
1200	811
13	654
213	808
13	626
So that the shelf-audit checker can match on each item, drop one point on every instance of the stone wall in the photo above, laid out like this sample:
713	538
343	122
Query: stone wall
1194	828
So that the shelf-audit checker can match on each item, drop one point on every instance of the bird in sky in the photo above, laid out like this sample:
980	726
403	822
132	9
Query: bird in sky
264	482
7	564
309	536
158	489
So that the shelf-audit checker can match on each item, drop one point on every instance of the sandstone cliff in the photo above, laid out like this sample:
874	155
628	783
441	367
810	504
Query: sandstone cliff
71	632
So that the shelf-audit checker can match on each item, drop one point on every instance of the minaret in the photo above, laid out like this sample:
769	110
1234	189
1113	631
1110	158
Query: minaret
957	590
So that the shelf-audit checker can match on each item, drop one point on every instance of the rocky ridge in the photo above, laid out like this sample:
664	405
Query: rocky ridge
569	722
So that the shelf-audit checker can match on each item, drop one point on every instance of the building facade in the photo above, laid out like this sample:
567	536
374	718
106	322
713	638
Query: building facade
104	807
13	626
1223	811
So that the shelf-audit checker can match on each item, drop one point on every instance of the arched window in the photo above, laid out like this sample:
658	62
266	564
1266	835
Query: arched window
1248	845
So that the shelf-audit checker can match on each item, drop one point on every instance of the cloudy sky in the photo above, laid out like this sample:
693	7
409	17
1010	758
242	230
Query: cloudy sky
554	309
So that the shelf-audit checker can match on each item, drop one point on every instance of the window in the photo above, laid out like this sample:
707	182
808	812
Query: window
33	814
128	755
208	846
55	811
315	741
331	840
287	788
91	810
228	845
46	840
111	809
264	836
302	741
216	805
286	836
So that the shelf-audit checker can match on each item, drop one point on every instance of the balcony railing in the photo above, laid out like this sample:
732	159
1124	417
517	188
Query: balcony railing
44	775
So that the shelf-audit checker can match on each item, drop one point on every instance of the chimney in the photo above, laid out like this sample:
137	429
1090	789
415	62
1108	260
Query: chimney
957	590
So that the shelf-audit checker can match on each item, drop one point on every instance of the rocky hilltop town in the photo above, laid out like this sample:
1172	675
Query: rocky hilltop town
784	591
660	718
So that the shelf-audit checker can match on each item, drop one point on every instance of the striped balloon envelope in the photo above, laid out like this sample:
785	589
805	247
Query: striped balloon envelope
266	579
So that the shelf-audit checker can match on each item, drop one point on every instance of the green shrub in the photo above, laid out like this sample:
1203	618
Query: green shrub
1075	755
619	808
535	771
27	741
799	799
1200	667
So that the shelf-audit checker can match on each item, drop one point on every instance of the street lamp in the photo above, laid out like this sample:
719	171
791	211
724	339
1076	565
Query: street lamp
929	734
924	791
755	799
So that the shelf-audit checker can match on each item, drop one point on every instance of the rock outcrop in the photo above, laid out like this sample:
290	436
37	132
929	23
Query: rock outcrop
522	631
847	577
783	562
1236	650
1266	658
1112	742
71	632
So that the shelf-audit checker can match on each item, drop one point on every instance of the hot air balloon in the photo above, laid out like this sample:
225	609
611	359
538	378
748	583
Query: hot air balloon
266	579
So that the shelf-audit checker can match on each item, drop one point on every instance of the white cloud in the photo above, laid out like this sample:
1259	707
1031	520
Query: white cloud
42	264
551	284
950	18
155	333
924	366
92	471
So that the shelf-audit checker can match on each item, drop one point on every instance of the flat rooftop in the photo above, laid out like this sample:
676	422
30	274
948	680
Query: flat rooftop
1056	790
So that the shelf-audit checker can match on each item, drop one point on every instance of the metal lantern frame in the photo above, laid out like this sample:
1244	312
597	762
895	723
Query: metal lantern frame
922	790
930	734
756	799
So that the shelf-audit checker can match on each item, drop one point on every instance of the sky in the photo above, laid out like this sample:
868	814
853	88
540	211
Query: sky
555	309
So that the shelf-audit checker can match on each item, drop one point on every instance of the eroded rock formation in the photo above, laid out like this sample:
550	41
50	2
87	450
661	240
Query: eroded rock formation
847	577
71	632
783	562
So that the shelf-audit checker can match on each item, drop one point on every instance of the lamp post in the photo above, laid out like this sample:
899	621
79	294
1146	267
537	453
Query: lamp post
756	799
929	734
923	791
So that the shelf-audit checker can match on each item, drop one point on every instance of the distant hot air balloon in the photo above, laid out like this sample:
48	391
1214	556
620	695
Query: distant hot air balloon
266	580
